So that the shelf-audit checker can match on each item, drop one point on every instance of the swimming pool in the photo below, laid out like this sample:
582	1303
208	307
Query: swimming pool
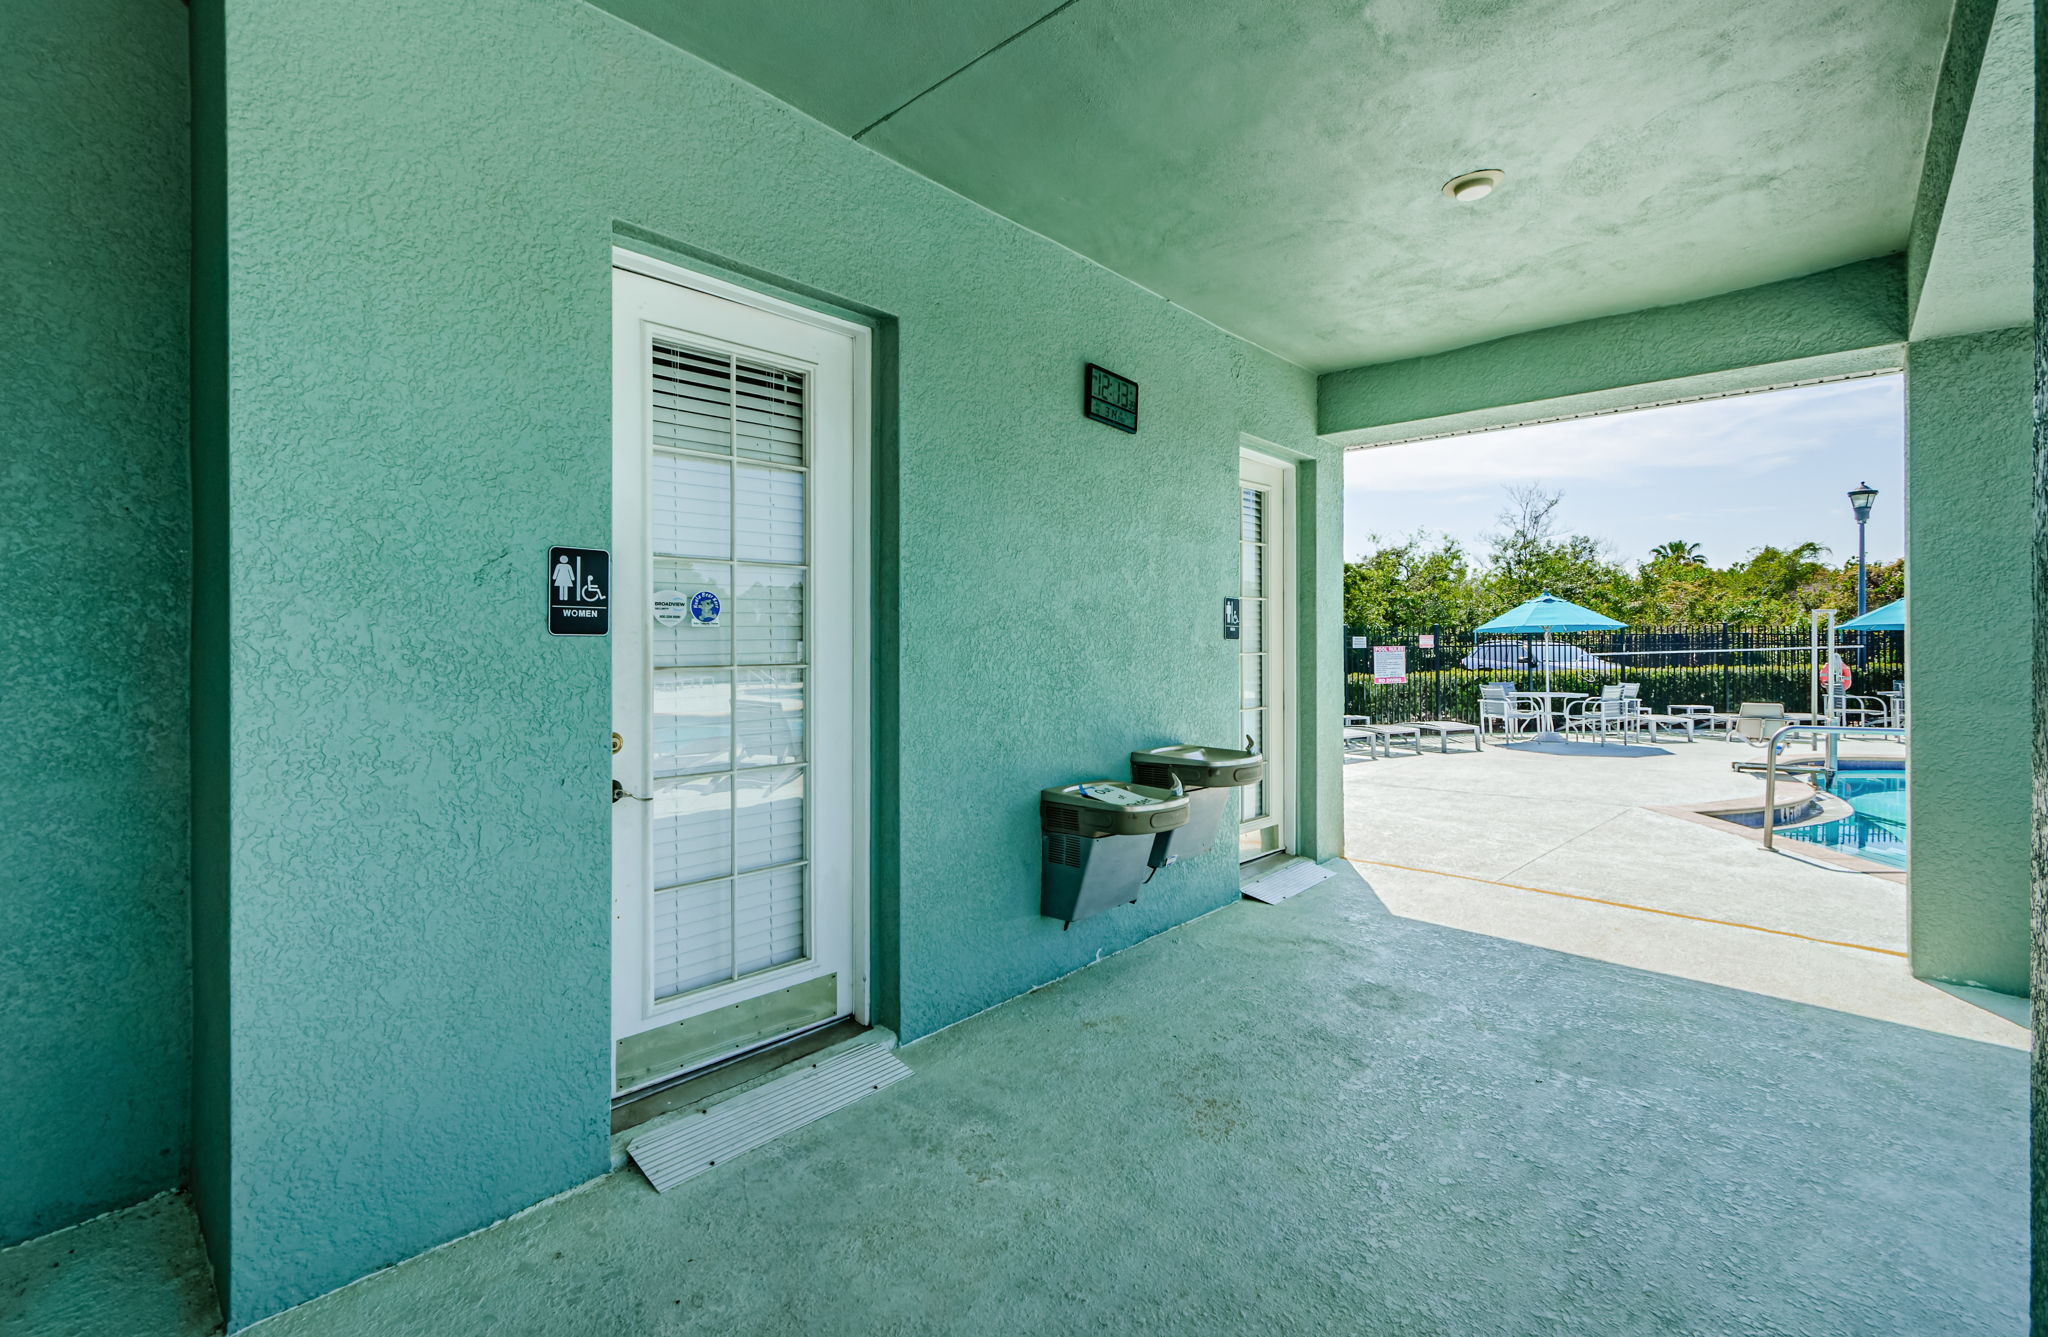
1877	791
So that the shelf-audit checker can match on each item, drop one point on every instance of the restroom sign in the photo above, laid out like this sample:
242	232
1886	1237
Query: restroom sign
579	591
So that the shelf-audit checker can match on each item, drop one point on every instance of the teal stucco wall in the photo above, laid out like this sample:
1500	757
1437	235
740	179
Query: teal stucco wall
93	883
405	987
1969	483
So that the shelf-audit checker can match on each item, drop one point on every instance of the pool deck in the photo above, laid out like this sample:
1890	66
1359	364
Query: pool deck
1581	847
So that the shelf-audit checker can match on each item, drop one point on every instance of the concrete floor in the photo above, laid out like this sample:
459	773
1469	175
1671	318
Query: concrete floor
1469	839
1318	1117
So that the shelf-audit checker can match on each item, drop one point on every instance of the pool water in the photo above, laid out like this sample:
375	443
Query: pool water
1878	830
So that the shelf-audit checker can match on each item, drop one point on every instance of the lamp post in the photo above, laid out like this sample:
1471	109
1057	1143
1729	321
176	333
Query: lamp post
1861	498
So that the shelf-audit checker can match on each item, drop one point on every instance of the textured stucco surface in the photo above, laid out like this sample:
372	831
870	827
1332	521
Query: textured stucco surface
847	65
1276	165
137	1272
421	197
1316	1118
1969	29
1842	320
93	883
1979	264
1969	590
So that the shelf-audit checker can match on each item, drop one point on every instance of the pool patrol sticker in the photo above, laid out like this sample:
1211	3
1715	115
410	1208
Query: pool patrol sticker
579	591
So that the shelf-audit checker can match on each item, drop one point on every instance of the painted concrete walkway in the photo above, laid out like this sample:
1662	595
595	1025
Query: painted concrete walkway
1469	839
1319	1117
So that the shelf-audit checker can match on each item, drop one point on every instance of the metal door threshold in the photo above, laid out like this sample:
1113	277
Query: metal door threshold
702	1084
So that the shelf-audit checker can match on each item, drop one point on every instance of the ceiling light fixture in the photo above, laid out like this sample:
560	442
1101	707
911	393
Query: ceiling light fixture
1474	185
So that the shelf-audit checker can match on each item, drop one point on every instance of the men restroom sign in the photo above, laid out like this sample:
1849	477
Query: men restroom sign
579	591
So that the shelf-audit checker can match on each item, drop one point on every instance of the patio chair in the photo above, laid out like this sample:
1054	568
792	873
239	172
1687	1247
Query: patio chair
1866	710
1499	709
1609	713
1756	721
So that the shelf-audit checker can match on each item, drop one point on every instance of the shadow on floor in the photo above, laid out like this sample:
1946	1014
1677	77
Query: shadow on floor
1307	1118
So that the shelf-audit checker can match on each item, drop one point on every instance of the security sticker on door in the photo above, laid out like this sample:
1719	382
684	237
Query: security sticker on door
670	607
704	608
579	591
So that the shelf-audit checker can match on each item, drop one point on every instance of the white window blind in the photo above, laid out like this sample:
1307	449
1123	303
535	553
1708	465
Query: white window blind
728	516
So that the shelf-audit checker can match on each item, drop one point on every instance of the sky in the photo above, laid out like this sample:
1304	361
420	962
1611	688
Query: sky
1728	474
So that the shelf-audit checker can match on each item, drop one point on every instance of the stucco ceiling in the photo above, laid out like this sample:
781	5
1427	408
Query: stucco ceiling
1979	274
1276	166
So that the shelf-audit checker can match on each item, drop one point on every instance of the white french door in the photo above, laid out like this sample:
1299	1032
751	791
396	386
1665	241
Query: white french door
1265	643
733	654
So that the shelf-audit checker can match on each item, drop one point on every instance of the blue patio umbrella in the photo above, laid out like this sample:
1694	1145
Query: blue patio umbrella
1543	615
1891	617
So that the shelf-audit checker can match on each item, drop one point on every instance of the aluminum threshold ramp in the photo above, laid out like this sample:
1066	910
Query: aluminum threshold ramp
1289	880
692	1144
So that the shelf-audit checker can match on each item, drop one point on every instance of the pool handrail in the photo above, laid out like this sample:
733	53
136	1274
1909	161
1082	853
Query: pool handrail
1834	732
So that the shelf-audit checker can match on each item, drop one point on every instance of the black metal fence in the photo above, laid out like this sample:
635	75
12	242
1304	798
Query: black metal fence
1718	666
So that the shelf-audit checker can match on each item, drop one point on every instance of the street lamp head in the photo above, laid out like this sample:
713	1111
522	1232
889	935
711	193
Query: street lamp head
1862	497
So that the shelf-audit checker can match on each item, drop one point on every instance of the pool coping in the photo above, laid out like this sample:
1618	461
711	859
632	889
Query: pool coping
1706	814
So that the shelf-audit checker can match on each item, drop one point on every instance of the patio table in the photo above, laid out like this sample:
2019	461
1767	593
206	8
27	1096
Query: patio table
1553	706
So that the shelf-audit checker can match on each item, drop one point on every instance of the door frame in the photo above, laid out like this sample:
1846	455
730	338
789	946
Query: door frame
862	649
1281	629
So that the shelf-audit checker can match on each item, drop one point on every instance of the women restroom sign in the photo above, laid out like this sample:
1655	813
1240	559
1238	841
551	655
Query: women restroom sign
579	591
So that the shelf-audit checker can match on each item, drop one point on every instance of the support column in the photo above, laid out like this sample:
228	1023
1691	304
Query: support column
1969	621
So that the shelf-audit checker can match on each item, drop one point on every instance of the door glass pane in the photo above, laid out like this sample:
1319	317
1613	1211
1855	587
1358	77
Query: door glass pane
692	829
771	414
692	937
1252	668
692	506
692	399
771	918
1253	573
771	816
1251	636
692	721
769	615
771	716
768	515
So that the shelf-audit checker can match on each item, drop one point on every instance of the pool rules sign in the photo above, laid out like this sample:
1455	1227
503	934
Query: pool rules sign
579	591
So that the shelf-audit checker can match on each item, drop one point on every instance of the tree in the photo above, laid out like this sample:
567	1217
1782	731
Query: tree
1678	550
1529	559
1418	582
1426	579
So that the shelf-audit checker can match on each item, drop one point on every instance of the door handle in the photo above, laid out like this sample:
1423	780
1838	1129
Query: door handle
619	792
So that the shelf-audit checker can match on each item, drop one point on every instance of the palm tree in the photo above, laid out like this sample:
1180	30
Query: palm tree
1678	550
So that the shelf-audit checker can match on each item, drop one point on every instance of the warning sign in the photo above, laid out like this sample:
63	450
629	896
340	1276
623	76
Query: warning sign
1389	664
579	591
